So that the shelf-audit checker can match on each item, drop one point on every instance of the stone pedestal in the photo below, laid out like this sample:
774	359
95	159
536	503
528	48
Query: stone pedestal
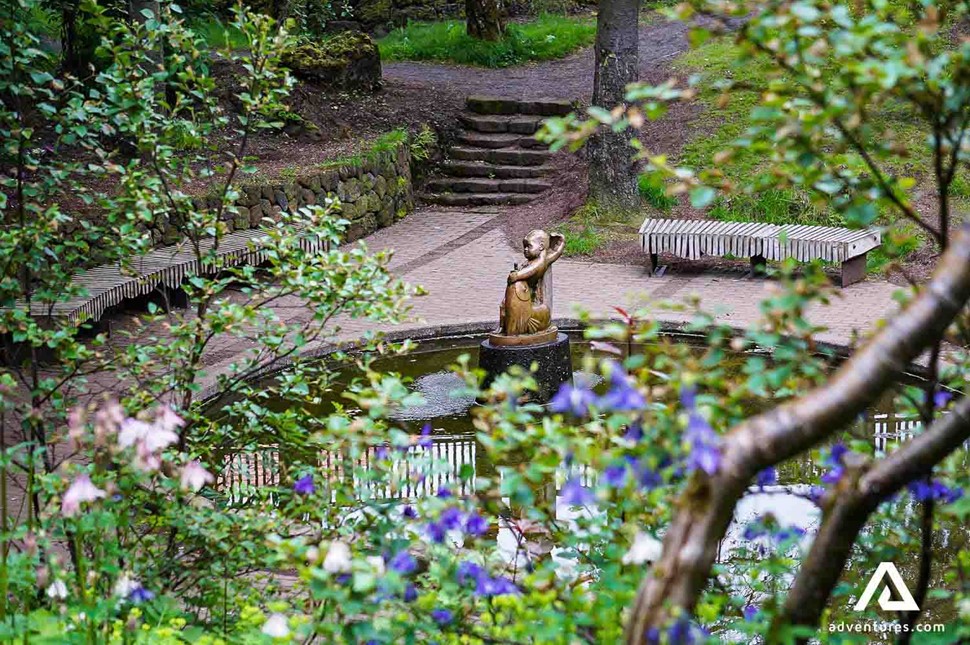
554	365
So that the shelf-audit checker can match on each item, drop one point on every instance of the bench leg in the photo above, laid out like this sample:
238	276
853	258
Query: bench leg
758	265
854	270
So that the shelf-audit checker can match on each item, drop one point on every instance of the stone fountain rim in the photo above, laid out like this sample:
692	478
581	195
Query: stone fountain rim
682	330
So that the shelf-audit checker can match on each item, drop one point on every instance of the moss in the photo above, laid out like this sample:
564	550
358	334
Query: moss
332	54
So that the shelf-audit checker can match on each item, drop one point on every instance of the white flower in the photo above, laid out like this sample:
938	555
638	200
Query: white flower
124	585
338	558
57	590
80	490
276	626
645	548
194	476
377	562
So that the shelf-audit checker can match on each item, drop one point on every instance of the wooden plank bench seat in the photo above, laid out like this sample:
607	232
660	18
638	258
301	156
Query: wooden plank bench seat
162	268
692	239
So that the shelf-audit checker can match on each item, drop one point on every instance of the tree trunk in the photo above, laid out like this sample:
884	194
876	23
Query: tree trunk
70	49
484	19
612	173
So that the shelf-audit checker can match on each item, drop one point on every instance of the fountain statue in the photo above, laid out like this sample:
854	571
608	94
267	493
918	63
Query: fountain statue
525	335
526	312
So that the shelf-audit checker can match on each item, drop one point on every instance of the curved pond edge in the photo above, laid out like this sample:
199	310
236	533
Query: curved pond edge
571	326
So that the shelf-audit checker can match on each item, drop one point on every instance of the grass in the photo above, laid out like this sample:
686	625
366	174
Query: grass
545	38
594	225
723	124
654	192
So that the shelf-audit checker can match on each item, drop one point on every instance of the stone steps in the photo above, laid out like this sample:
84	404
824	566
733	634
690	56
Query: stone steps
517	124
538	107
497	159
482	185
499	140
456	168
502	156
477	199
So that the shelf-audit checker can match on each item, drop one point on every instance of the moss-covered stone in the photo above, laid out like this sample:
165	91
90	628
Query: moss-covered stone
350	60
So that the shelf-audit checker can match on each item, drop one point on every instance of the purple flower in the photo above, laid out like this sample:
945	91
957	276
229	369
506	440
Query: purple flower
425	441
685	632
575	494
403	563
476	525
573	399
436	531
451	518
767	477
410	593
753	531
688	397
442	616
789	532
382	452
924	490
634	433
647	478
941	398
444	493
750	612
835	461
622	395
139	595
469	571
304	485
499	586
615	476
704	445
409	512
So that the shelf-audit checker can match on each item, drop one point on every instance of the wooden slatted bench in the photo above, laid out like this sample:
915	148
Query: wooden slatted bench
692	239
165	267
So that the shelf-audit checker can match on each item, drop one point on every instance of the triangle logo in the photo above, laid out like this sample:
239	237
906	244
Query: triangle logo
905	602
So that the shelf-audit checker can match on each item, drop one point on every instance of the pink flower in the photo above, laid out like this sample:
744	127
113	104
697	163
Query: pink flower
194	476
150	436
166	419
80	490
108	418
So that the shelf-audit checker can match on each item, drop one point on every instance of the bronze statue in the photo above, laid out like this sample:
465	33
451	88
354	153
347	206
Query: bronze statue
526	312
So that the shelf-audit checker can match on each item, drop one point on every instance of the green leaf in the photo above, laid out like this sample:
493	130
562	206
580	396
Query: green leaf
702	196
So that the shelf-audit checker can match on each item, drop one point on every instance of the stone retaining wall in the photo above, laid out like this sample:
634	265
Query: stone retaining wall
373	193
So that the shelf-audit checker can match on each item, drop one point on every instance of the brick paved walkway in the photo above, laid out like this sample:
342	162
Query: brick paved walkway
462	257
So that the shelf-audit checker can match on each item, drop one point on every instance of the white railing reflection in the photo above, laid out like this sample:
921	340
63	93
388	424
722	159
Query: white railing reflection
425	471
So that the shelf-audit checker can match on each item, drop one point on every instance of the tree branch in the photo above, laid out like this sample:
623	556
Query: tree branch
854	500
707	505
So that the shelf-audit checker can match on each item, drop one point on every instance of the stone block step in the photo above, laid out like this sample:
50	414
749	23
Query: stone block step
456	168
537	107
499	140
477	199
516	123
481	185
502	156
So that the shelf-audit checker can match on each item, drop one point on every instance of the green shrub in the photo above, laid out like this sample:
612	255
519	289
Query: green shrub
219	35
547	37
